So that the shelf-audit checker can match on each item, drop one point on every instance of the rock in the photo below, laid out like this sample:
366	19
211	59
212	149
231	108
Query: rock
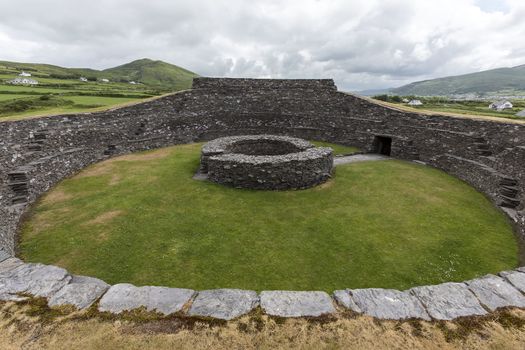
35	279
4	255
81	292
447	301
342	297
494	292
11	297
126	297
224	304
9	264
296	304
388	303
516	278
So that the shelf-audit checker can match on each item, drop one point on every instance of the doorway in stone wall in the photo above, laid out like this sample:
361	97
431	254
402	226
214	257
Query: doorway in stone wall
382	145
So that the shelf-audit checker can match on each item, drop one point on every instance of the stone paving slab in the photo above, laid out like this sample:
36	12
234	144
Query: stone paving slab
388	303
516	278
448	301
343	298
9	264
296	304
35	279
224	304
4	255
494	292
126	297
81	292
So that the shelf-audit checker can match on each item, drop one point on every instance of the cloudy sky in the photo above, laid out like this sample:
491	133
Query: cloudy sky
361	44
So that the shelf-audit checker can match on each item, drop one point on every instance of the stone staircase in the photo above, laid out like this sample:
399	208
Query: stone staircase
37	140
482	147
509	193
18	182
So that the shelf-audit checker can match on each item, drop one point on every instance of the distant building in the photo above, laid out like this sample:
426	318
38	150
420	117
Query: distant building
500	105
405	100
132	83
521	113
415	103
83	79
24	74
104	80
23	81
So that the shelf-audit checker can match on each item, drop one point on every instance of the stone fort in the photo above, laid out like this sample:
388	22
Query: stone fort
36	154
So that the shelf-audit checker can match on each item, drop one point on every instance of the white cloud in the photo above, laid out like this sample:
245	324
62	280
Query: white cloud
360	44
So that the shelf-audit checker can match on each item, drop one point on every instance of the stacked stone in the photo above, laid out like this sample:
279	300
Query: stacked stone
266	162
20	281
487	154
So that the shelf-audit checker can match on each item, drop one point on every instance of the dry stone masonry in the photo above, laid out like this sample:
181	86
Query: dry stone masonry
266	162
35	154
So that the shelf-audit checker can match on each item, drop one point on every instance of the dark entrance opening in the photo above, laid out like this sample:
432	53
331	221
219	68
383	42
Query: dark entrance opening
383	145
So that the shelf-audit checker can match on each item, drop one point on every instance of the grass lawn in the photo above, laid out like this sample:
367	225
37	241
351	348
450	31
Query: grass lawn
142	219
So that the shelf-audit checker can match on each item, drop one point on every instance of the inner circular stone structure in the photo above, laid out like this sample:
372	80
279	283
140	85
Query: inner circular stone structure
266	162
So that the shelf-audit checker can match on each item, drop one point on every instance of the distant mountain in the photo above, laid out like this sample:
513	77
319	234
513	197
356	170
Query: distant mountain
372	92
156	74
500	81
151	72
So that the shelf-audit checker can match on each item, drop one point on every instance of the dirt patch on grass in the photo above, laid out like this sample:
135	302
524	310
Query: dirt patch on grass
104	168
157	154
56	196
104	217
115	179
45	220
325	185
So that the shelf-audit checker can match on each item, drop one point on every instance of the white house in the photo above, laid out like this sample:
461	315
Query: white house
24	74
132	83
500	105
83	79
104	80
23	81
521	113
415	103
405	100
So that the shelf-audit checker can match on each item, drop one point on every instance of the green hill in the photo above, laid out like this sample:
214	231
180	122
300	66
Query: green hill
501	81
154	74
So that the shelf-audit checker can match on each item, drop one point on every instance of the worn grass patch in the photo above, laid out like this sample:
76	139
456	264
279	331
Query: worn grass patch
389	224
24	327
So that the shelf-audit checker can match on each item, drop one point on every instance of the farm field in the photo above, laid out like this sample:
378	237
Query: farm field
461	107
60	90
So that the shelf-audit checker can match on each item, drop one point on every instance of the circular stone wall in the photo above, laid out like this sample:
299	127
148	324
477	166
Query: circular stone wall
266	162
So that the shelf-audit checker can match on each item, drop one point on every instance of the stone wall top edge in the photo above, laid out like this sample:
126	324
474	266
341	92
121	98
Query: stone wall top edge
210	83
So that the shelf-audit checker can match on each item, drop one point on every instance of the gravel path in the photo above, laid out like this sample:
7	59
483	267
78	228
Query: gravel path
359	158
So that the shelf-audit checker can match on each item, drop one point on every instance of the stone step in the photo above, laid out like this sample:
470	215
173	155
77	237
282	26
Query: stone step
19	200
508	181
483	146
509	202
110	150
509	191
34	147
17	176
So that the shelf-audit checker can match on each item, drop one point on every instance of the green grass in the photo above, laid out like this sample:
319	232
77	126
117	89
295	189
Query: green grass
31	105
143	219
480	108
